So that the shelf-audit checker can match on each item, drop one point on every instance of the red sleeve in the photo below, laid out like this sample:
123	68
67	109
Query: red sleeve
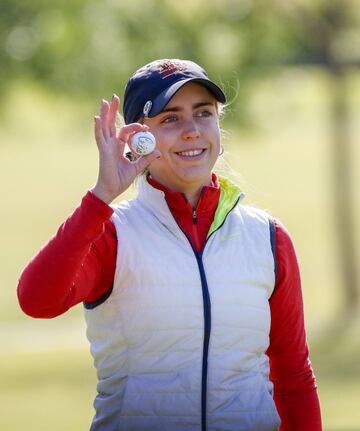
295	392
77	264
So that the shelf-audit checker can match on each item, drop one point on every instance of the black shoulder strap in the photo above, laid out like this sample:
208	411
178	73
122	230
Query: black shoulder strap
103	298
273	243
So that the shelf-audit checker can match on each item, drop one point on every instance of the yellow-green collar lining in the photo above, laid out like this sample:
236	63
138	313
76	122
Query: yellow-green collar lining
229	194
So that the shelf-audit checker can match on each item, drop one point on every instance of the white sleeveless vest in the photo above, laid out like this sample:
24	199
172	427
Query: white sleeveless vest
180	343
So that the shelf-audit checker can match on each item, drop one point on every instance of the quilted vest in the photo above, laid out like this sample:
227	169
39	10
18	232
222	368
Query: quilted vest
180	343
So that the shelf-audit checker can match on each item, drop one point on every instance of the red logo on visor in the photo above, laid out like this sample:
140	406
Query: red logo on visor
168	68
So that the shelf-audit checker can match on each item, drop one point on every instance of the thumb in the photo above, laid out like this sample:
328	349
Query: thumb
144	161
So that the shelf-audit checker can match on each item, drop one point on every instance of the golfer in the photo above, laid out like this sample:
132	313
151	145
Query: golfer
192	300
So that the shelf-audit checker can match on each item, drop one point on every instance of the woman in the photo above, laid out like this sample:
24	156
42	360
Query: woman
193	301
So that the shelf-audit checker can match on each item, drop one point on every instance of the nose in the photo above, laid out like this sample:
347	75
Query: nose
191	130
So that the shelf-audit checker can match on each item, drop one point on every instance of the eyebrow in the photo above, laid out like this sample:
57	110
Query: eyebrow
194	106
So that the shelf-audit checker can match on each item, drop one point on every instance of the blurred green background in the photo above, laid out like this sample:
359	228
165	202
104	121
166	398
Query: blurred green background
291	133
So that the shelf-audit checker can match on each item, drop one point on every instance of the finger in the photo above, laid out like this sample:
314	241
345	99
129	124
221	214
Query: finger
144	161
98	132
126	131
104	110
114	106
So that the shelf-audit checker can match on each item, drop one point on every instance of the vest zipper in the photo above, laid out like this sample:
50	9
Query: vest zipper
194	228
207	331
194	217
207	314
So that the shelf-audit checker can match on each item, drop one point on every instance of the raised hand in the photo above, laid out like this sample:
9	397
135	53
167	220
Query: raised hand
116	172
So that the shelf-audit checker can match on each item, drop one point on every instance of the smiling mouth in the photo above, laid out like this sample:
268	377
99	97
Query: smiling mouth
190	153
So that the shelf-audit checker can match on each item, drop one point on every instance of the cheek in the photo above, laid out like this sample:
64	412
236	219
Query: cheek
164	142
158	165
214	136
161	146
212	128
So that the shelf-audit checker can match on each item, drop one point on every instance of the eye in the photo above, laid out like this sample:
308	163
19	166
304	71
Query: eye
169	119
204	113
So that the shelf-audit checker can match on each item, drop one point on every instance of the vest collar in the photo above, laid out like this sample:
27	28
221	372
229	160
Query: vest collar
155	201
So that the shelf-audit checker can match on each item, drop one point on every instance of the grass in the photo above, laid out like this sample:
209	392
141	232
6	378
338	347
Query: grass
335	357
44	392
49	159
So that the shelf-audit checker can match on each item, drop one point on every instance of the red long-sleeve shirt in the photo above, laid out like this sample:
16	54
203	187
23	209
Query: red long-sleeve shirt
78	264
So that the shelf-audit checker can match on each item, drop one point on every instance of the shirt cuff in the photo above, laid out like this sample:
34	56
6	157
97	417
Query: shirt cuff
98	207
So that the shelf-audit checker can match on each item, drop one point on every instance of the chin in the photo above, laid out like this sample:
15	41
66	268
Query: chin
196	177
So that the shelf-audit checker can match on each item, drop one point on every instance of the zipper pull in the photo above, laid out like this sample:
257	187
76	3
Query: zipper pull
194	216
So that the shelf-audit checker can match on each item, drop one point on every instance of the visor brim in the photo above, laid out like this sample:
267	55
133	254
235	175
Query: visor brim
159	103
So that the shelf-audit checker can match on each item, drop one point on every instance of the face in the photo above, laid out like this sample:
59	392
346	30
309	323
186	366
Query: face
187	134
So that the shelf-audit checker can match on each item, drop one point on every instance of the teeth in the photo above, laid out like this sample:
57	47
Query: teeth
191	153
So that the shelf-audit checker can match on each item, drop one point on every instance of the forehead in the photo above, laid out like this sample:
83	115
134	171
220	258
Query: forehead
189	94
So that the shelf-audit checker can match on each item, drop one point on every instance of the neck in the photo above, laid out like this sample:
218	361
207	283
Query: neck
193	197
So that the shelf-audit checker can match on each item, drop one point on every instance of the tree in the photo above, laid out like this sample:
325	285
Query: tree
88	48
329	32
